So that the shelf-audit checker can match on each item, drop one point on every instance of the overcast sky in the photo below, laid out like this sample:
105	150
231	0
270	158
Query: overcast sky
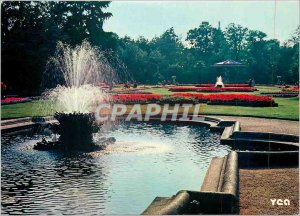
151	19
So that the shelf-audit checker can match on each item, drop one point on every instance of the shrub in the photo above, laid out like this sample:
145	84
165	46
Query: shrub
12	100
134	98
176	100
230	99
228	89
225	85
212	89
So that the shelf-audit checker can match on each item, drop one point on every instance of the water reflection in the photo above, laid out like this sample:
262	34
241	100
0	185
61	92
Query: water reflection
148	160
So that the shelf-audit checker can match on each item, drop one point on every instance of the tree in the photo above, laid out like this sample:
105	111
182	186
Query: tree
207	46
170	47
293	46
166	56
30	31
235	36
22	37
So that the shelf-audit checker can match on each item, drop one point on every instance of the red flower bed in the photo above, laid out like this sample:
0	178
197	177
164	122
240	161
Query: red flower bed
226	89
200	97
281	94
134	98
212	89
225	85
212	99
291	88
183	89
230	99
288	88
240	100
11	100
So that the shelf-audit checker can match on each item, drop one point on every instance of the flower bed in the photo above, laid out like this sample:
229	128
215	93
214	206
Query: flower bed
241	100
226	89
192	98
183	89
177	100
135	98
281	94
291	88
130	92
212	89
13	100
200	97
230	99
225	85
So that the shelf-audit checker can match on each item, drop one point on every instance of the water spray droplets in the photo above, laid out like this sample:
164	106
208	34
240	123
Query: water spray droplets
83	68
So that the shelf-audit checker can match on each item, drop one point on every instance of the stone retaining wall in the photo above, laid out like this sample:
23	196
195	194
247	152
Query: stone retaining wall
218	194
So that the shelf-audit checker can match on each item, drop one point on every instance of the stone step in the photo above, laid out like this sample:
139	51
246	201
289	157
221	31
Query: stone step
265	136
213	175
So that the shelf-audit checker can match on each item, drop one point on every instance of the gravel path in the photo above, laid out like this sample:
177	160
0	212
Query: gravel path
259	186
265	125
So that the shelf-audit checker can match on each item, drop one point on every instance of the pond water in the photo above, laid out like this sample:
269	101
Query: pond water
147	160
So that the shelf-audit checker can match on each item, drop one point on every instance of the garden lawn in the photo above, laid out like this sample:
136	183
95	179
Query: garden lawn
34	108
288	108
164	91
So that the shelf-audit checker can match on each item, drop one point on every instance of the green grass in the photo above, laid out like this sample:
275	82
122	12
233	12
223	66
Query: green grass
34	108
164	91
161	91
288	108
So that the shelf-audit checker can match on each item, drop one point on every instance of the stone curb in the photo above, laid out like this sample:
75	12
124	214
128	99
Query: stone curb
218	194
252	140
24	124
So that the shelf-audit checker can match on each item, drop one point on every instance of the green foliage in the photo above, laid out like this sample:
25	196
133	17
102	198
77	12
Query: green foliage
165	56
30	31
176	100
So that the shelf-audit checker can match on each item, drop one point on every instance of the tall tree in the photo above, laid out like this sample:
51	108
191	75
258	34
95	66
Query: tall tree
235	36
170	47
30	31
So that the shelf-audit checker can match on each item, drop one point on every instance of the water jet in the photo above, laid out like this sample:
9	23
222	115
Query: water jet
82	68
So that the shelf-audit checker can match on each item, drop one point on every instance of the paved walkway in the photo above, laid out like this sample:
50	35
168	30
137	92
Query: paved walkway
265	125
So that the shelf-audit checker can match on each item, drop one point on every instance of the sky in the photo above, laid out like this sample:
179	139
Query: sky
151	19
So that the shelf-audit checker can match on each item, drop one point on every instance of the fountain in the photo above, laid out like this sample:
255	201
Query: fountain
82	68
219	82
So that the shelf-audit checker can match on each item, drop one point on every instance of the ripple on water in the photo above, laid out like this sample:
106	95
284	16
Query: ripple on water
148	160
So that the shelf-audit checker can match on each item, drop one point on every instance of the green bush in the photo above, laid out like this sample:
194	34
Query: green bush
176	100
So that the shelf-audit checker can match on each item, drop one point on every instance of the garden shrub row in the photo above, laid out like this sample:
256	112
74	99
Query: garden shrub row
13	100
281	94
225	85
193	98
212	89
231	99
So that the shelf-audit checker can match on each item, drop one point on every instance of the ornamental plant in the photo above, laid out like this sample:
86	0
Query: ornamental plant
134	98
193	98
212	89
225	85
177	100
230	99
12	100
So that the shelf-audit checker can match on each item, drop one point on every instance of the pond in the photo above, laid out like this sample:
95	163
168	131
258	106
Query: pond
147	160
